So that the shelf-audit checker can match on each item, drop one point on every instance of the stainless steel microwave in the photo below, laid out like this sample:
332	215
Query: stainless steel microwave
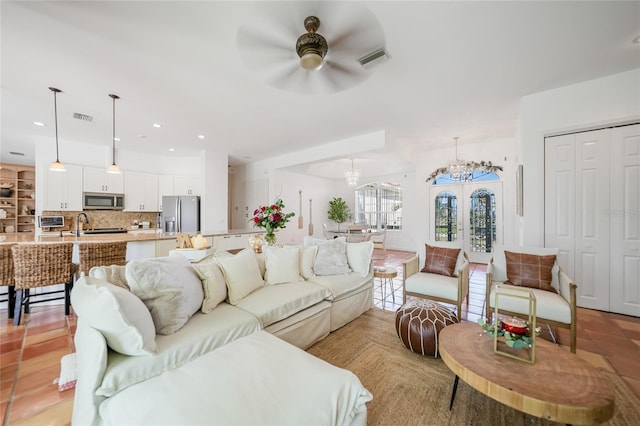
102	201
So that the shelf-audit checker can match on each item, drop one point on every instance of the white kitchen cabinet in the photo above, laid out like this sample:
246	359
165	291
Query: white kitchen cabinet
231	242
96	179
163	247
165	187
63	190
140	192
186	185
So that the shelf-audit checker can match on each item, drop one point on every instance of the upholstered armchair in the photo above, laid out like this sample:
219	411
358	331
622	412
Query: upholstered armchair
444	276
535	269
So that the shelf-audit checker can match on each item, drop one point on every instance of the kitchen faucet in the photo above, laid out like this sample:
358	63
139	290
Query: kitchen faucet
86	220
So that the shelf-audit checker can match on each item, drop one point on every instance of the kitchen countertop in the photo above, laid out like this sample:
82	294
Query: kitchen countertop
130	237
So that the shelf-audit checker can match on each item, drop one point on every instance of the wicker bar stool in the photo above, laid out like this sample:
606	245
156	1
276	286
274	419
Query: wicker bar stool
6	276
39	265
101	254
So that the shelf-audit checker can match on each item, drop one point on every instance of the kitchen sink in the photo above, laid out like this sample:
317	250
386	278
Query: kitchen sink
104	231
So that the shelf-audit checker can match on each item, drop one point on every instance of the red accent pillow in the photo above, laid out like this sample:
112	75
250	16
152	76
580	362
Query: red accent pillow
440	260
530	270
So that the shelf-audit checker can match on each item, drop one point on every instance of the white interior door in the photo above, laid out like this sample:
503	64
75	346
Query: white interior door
468	211
625	220
591	220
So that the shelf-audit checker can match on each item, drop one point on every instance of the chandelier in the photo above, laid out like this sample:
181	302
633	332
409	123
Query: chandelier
353	176
460	170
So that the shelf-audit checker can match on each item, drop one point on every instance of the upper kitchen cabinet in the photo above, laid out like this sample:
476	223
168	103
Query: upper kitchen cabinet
63	190
140	192
177	185
186	185
98	180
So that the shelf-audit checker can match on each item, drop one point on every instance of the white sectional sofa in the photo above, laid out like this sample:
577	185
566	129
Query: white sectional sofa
140	360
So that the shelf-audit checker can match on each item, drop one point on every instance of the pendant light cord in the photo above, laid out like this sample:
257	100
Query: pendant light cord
113	137
55	116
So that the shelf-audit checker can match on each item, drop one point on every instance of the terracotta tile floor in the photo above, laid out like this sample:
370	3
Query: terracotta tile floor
30	354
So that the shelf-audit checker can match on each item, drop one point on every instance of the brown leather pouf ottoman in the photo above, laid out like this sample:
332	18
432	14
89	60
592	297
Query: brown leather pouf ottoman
418	324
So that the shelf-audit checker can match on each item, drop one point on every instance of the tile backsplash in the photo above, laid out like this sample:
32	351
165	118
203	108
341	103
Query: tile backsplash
105	218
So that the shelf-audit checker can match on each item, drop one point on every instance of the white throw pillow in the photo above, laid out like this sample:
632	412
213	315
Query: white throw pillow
115	274
242	274
307	258
170	288
331	258
215	289
282	265
118	314
359	257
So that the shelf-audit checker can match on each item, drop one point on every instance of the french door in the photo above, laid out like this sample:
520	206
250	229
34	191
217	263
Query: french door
471	212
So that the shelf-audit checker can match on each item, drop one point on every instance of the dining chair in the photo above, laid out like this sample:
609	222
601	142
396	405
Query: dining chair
104	253
379	242
6	276
38	265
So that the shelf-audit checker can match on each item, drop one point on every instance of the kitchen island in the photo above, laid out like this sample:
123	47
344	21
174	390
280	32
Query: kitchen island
140	245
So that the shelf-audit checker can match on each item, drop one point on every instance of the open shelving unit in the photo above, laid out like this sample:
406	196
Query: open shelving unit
20	204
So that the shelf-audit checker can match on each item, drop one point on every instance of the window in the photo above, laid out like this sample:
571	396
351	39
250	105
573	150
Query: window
379	205
446	216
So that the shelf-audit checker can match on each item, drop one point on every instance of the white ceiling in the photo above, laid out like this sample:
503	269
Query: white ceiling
456	69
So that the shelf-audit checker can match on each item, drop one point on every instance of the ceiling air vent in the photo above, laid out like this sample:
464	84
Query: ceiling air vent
83	117
374	58
21	154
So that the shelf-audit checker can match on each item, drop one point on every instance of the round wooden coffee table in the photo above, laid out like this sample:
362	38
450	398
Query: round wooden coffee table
560	386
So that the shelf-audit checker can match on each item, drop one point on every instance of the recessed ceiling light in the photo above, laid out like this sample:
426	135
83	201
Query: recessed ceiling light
116	139
200	136
171	149
156	125
37	123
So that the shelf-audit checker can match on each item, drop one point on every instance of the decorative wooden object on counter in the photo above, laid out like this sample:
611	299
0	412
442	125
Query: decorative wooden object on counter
17	199
184	241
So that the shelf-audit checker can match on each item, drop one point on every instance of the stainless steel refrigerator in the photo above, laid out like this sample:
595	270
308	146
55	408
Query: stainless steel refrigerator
181	213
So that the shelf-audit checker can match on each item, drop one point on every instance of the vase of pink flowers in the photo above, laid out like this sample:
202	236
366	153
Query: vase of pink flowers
271	218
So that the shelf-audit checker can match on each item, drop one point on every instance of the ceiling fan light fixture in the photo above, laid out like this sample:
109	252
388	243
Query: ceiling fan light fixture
311	47
311	61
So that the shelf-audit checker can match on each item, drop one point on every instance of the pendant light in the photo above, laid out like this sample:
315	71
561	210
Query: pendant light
113	168
353	176
56	166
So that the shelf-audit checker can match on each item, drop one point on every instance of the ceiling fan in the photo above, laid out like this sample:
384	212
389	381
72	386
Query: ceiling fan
324	59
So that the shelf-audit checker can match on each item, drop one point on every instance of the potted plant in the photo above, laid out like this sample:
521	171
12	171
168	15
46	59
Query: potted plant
339	211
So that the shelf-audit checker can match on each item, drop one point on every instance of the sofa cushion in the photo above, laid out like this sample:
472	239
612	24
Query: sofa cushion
434	284
271	304
282	264
440	260
213	284
117	313
342	286
530	270
549	305
170	288
331	258
255	380
307	258
359	257
202	334
242	274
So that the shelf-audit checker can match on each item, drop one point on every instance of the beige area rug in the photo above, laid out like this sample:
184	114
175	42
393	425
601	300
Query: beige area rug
409	389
